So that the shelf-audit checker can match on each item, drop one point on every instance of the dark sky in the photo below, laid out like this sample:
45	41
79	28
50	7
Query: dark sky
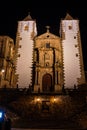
46	13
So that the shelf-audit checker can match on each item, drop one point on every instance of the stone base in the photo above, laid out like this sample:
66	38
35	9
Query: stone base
58	88
36	88
4	83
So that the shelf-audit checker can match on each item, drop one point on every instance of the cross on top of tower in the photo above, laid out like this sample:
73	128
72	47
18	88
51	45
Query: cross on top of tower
48	27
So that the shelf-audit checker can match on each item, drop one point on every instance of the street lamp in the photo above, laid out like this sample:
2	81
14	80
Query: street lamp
2	73
2	70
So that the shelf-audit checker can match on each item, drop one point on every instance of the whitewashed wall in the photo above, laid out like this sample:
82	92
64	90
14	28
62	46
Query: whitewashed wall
24	61
71	62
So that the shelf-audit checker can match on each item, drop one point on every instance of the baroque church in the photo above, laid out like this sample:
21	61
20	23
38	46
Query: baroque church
46	63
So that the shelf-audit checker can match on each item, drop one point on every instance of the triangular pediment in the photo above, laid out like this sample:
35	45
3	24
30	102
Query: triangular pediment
68	17
47	35
27	18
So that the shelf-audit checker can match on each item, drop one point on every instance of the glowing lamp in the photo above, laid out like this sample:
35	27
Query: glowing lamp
1	115
3	70
38	99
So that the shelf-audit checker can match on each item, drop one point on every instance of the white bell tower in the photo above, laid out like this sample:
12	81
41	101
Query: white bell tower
72	52
26	32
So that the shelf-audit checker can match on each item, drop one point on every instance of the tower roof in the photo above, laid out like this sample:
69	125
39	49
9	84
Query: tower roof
27	18
68	17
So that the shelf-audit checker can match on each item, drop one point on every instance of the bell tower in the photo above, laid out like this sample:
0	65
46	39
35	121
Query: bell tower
26	32
73	68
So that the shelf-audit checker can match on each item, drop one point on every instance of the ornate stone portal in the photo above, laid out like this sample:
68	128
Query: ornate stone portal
48	63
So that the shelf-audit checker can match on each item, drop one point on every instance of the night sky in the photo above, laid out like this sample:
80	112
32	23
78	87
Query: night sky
45	13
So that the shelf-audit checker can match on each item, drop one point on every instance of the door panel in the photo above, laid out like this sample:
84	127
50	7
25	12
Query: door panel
47	83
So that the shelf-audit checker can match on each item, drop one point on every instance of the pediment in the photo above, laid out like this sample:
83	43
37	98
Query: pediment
47	35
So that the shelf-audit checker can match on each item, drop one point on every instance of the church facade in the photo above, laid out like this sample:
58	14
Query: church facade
48	63
57	62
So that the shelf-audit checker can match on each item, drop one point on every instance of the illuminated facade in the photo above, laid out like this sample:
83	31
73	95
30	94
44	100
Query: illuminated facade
7	69
58	60
47	62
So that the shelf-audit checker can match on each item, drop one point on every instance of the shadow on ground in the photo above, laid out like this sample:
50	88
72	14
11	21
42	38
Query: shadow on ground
45	123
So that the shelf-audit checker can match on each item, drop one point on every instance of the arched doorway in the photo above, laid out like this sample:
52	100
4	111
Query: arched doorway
47	83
